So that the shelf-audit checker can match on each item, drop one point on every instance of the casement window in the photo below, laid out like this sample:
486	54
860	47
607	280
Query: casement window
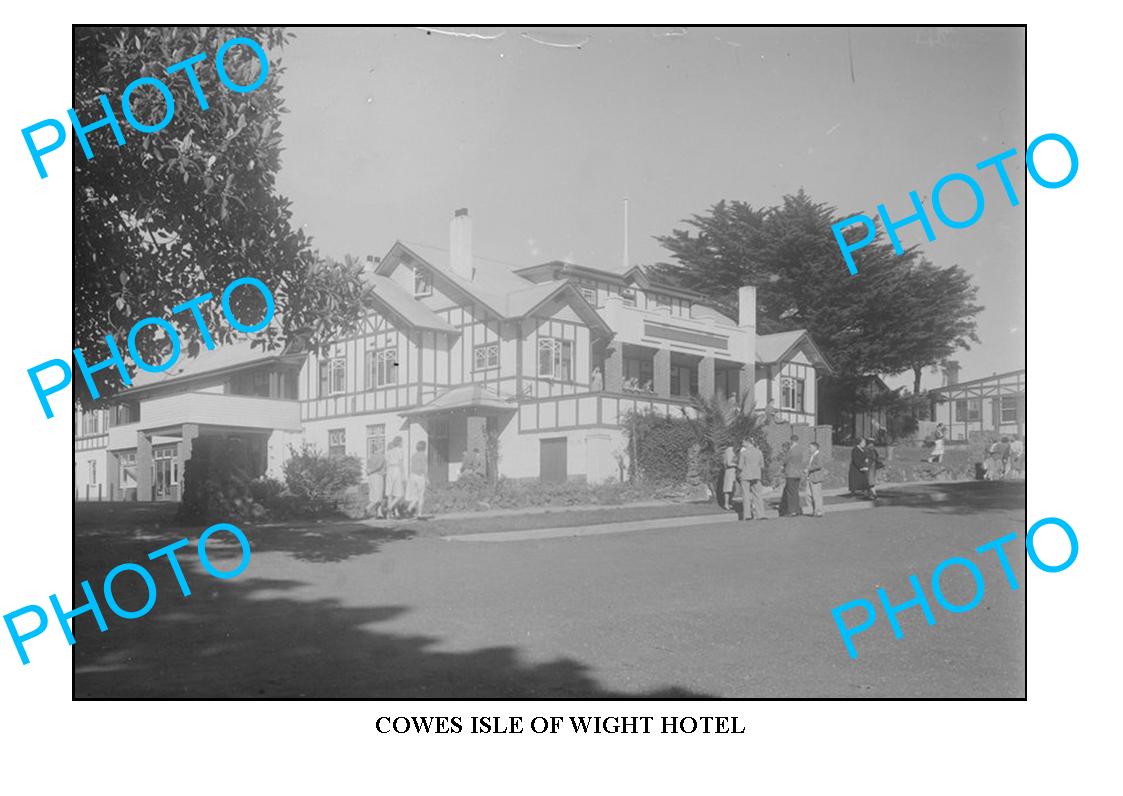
376	438
333	376
791	393
968	410
629	296
128	470
661	300
1010	409
486	356
382	367
590	295
90	422
337	442
422	281
260	384
555	358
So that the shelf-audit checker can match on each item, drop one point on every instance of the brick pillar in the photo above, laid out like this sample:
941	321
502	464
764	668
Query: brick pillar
143	467
661	379
614	368
189	432
706	385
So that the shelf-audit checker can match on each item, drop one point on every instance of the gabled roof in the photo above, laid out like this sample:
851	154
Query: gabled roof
496	286
558	269
782	345
234	356
493	282
398	300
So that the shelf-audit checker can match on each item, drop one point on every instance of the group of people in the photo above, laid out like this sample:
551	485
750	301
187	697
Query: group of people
397	487
746	466
1005	456
864	464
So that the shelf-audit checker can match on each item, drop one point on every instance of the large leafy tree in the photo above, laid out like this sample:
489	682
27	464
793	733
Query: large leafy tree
188	209
900	312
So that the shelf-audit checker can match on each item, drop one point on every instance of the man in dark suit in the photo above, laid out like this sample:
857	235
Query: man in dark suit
795	462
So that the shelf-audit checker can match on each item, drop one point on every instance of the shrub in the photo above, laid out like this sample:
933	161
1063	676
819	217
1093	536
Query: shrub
265	490
216	481
318	482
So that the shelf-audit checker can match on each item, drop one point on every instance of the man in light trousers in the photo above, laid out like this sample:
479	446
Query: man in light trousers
750	465
815	473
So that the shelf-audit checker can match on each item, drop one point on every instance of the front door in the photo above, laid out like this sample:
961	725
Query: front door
552	460
165	473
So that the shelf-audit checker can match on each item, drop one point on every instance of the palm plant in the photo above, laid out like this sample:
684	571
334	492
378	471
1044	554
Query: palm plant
720	421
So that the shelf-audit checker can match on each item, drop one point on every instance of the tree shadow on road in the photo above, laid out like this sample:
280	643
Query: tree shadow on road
254	638
968	498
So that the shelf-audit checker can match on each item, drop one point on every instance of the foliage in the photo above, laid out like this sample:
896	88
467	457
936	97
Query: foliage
480	495
899	313
186	210
661	445
216	481
720	422
319	482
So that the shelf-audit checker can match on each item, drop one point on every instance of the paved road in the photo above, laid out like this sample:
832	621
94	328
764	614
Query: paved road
721	609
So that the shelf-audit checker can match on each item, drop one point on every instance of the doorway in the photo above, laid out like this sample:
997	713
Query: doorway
552	460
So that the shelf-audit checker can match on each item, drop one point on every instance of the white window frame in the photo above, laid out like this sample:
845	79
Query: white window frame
335	366
557	346
376	431
798	390
382	368
491	356
629	296
342	432
590	294
422	281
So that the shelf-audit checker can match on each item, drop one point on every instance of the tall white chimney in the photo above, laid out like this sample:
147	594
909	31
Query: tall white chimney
746	319
746	307
460	244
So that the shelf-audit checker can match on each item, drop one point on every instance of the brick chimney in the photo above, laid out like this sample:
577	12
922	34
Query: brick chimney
746	307
951	372
460	245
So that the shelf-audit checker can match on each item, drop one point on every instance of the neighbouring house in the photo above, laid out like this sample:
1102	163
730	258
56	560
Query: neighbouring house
991	404
856	407
540	364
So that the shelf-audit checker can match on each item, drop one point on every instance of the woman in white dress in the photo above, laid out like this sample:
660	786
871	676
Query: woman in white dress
395	476
938	445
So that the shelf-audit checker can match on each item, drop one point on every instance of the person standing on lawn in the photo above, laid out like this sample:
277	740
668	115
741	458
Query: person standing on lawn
874	463
858	479
937	456
418	481
728	477
376	480
815	474
395	476
795	462
750	465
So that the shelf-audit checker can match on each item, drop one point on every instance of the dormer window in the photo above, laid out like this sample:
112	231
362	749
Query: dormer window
629	296
422	282
661	300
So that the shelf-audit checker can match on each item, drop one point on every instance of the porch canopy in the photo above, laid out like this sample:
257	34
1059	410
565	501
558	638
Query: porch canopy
473	398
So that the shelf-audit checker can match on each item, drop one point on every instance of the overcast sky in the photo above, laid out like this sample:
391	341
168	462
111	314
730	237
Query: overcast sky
392	129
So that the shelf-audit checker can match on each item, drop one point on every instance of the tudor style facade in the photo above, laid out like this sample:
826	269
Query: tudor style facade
545	361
